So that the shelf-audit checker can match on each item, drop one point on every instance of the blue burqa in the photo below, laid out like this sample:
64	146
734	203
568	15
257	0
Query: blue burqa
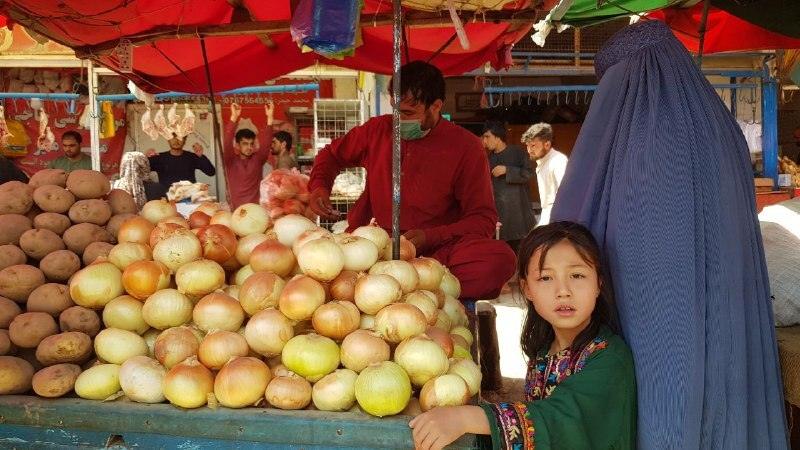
661	175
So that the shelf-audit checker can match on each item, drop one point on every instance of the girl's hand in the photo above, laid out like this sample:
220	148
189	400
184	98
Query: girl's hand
439	427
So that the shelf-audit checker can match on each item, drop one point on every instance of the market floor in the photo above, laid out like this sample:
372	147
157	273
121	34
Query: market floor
510	310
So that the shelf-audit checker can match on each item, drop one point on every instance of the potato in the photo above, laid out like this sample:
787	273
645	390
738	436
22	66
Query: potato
57	223
121	202
50	198
17	282
87	184
33	212
60	265
50	298
6	346
11	255
39	243
28	329
43	177
78	237
12	226
96	250
69	347
116	222
55	381
8	310
15	375
92	211
16	197
78	318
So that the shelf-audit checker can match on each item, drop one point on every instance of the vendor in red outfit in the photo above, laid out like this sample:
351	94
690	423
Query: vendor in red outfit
447	209
243	162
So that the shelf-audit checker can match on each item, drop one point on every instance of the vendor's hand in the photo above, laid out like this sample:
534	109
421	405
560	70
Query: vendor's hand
437	428
499	171
269	108
150	152
198	149
236	111
320	203
417	237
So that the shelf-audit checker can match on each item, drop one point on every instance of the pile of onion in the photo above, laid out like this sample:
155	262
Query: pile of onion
467	370
407	250
343	287
246	246
136	229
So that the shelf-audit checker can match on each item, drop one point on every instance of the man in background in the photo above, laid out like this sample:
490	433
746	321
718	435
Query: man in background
73	158
177	164
550	165
282	154
244	162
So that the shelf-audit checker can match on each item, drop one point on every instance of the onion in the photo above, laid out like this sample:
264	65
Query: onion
260	291
157	210
242	275
422	358
343	287
96	285
188	384
218	242
125	313
424	303
301	297
268	331
399	321
246	246
402	271
311	356
167	308
126	253
459	351
141	378
233	291
311	235
248	219
407	250
469	371
116	346
443	321
464	333
450	284
208	208
164	230
15	375
376	234
456	311
359	253
445	390
383	389
289	227
136	229
177	250
174	345
442	338
335	391
321	259
336	319
430	273
98	382
220	346
199	277
199	219
290	392
272	256
241	382
218	311
142	279
150	337
374	292
367	322
362	348
175	220
221	218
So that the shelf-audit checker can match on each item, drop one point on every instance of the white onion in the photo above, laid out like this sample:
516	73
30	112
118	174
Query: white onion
445	390
218	311
242	275
442	338
464	333
300	297
246	246
383	389
310	235
125	313
407	250
116	346
402	271
260	291
469	371
136	229
150	337
459	351
208	208
422	358
174	345
125	253
443	321
221	218
362	348
335	391
268	331
220	346
140	378
456	311
367	322
178	250
430	273
233	291
375	234
289	227
241	382
157	210
374	292
311	356
336	319
321	259
359	253
176	220
98	382
424	303
400	321
188	384
199	277
272	256
167	308
450	285
290	392
248	219
96	285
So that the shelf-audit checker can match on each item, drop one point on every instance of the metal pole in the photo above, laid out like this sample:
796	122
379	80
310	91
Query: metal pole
214	119
397	34
94	122
703	23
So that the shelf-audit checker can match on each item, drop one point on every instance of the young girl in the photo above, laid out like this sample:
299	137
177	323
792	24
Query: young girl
580	389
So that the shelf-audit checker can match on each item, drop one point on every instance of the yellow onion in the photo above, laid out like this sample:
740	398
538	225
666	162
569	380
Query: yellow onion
469	371
248	219
456	311
177	250
218	311
218	242
464	333
375	234
444	390
311	356
150	337
400	321
402	271
174	345
141	378
199	219
425	304
221	218
167	308
310	235
241	382
289	393
300	297
198	278
260	291
407	250
383	389
374	292
442	321
188	384
422	358
16	375
362	348
460	351
96	285
125	313
242	274
157	210
126	253
98	382
116	346
220	346
142	279
430	273
233	291
246	246
268	331
367	322
335	391
288	228
450	285
343	287
272	256
164	230
442	338
136	229
359	253
336	319
208	208
321	259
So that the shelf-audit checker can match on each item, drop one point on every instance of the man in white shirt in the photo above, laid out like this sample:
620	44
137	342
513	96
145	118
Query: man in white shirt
550	165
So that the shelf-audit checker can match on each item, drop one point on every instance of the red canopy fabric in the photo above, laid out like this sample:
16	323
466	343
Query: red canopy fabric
236	61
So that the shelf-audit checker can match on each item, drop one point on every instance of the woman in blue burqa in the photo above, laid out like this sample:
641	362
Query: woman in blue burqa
661	175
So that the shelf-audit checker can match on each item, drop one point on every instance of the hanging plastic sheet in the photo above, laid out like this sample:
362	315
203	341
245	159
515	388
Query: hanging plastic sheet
328	27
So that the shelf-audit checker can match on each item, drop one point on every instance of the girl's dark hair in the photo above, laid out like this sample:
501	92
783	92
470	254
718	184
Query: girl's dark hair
537	333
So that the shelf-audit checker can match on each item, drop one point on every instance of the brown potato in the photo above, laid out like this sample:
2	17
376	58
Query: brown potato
51	198
60	265
116	222
17	282
8	310
12	226
39	243
48	176
28	329
55	381
57	223
87	184
96	250
15	375
90	211
6	346
33	212
11	255
16	197
121	202
78	318
69	347
78	237
50	298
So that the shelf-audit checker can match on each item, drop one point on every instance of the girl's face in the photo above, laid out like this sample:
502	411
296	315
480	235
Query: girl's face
565	290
